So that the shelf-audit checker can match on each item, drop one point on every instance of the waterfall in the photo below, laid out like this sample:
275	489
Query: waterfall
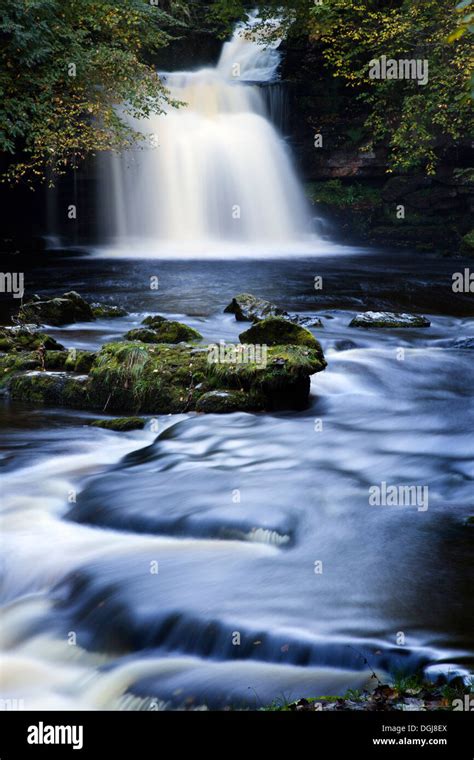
213	171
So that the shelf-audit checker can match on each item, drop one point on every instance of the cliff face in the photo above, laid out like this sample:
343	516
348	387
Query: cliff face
354	186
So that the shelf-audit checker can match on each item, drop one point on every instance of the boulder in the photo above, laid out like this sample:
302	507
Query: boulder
250	308
136	377
165	331
50	388
24	338
388	319
154	321
107	311
277	331
63	310
158	379
143	334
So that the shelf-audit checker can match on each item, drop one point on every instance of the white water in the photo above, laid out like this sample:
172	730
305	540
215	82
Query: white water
214	171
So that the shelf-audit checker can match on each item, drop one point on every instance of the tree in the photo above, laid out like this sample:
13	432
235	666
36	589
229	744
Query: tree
416	122
65	66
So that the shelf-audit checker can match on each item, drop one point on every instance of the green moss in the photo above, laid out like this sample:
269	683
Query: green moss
154	321
80	361
276	331
107	311
24	339
335	193
12	363
132	377
142	334
51	388
467	244
121	424
135	377
68	308
164	332
55	360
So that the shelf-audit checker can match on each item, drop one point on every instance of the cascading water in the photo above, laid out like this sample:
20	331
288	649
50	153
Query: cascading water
214	170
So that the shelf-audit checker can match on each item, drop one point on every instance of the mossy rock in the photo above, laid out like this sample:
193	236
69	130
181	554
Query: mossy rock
50	388
225	402
276	331
107	311
55	360
135	377
154	321
65	309
384	319
164	332
143	334
11	364
25	339
283	382
250	308
121	424
467	244
138	377
79	361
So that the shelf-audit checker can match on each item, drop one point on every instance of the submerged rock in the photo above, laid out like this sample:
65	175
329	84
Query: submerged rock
277	331
121	424
24	338
65	309
165	331
107	311
250	308
388	319
344	345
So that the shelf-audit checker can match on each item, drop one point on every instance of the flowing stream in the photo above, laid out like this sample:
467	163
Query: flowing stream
184	573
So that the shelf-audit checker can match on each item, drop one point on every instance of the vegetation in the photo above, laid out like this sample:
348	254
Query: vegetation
335	193
67	65
416	121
